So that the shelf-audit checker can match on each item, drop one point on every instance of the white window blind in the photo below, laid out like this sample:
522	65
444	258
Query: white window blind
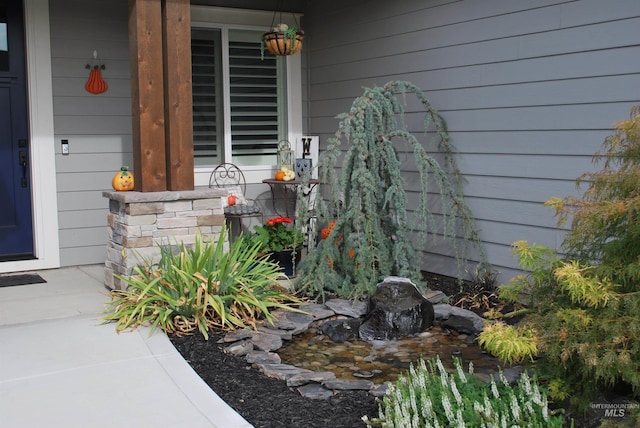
208	122
255	99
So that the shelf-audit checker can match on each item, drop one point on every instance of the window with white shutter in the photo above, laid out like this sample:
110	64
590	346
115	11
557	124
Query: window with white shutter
243	123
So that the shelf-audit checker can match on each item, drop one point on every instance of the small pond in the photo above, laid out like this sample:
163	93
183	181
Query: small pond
381	361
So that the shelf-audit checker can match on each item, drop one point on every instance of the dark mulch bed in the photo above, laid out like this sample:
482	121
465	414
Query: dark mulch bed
266	402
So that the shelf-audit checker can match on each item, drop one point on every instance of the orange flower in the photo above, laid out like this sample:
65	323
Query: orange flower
327	230
276	220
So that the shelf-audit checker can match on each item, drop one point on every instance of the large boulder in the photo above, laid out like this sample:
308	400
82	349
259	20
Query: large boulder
458	319
397	309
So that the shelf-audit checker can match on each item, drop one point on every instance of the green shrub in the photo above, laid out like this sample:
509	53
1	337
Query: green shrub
605	221
584	333
431	397
200	287
583	307
376	231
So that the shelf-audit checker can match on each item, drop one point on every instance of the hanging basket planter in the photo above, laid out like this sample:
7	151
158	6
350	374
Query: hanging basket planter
283	43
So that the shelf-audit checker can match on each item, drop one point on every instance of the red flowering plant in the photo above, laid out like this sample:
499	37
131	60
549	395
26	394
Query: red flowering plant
277	234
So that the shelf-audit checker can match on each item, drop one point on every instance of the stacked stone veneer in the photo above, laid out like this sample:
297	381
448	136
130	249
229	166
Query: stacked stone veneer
141	223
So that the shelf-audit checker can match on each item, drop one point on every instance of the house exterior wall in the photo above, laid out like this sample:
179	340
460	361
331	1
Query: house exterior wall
529	90
98	127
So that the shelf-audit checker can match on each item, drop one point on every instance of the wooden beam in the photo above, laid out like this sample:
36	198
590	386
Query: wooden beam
176	17
147	95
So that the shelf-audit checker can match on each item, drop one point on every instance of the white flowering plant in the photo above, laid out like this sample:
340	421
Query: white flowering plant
430	396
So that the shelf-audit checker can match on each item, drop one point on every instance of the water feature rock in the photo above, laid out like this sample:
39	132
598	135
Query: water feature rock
314	377
266	342
315	391
281	371
349	308
317	311
348	384
262	357
461	320
240	348
294	321
343	330
435	296
284	334
397	309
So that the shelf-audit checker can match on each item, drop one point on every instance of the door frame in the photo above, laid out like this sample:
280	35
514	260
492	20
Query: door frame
41	131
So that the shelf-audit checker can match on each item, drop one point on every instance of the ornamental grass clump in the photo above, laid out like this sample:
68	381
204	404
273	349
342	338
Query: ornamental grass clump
200	287
428	396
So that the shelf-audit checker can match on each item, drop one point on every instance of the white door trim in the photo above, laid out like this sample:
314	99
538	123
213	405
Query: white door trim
43	169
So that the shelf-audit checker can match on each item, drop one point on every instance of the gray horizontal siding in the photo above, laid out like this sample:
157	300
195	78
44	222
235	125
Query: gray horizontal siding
475	29
529	90
98	127
81	219
506	188
84	255
88	236
471	53
564	68
81	201
594	90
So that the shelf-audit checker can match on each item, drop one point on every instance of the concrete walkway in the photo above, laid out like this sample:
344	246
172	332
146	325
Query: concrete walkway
59	367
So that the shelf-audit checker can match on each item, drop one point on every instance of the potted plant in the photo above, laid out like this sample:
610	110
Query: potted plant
282	40
280	240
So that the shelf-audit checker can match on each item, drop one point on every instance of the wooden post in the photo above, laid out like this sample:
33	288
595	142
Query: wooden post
147	95
176	17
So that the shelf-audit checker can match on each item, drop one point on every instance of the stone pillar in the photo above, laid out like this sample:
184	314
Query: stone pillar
141	222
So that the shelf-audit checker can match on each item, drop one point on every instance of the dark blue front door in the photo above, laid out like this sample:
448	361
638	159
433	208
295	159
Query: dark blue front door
16	226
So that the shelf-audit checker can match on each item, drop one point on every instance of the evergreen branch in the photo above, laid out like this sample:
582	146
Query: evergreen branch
373	221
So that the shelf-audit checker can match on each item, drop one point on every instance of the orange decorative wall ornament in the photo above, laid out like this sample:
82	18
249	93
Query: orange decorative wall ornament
95	84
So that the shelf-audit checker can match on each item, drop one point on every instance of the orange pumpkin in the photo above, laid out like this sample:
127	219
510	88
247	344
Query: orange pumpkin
123	180
231	200
280	175
95	84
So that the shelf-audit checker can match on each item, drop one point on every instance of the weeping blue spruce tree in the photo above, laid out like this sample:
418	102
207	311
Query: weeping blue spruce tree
364	204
